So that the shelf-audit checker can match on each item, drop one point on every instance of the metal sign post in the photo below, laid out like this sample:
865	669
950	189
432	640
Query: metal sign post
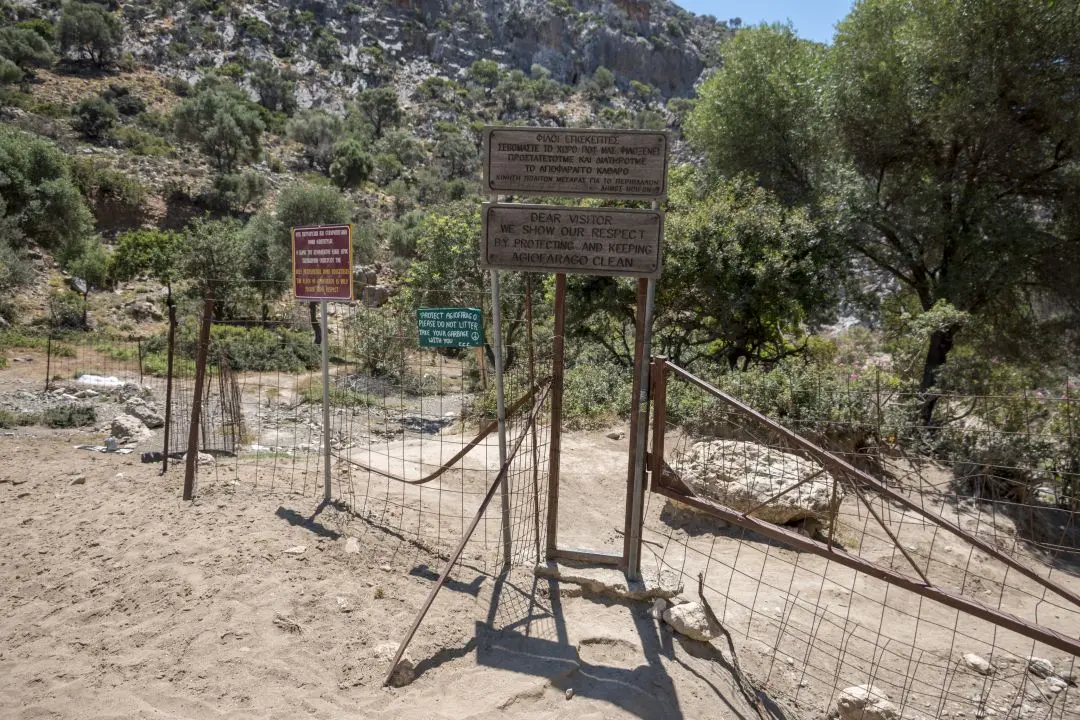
323	271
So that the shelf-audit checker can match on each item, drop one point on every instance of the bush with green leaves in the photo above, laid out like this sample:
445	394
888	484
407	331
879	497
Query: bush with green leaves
223	122
69	416
89	30
378	109
101	184
140	142
23	49
382	340
237	191
352	164
317	131
276	88
258	349
148	253
127	103
67	311
94	117
39	202
15	267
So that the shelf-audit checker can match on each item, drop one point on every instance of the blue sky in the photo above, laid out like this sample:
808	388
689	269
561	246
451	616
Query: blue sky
813	19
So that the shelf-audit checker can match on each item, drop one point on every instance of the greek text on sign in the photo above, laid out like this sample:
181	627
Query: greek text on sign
585	241
322	262
450	327
626	164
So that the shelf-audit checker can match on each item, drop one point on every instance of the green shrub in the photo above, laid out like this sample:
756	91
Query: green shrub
140	142
67	310
69	416
382	340
263	350
11	419
94	117
237	191
125	101
351	165
91	31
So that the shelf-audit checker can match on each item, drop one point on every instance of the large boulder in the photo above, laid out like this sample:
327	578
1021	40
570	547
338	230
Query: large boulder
691	620
865	702
148	413
127	428
742	475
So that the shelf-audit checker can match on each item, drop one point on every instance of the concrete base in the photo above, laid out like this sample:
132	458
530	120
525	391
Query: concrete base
610	582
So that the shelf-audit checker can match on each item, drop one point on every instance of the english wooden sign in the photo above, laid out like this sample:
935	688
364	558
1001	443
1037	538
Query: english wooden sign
584	241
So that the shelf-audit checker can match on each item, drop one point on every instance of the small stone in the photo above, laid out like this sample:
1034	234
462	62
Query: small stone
691	620
296	550
1055	684
343	605
404	672
569	693
658	607
352	546
78	480
1040	667
385	568
979	664
615	435
865	702
129	428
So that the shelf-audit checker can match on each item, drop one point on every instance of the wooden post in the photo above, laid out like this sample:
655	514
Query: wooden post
635	407
557	361
168	387
138	347
196	400
325	332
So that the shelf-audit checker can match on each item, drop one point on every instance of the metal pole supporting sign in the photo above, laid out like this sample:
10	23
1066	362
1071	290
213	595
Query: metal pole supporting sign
325	336
500	405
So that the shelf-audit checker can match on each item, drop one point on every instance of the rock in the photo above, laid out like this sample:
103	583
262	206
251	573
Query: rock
296	550
569	693
691	620
1056	684
742	475
978	664
127	428
375	295
352	546
865	702
144	310
616	435
658	607
201	459
343	605
137	407
1040	667
78	480
78	285
404	672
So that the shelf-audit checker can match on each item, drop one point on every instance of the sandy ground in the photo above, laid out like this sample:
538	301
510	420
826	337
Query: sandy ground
121	601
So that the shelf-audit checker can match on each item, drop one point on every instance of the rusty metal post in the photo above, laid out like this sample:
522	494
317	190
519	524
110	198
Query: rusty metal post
48	361
138	349
535	451
557	376
168	387
196	400
635	407
659	400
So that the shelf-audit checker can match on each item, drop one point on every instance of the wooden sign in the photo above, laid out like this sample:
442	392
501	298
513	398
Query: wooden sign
322	262
450	327
616	164
584	241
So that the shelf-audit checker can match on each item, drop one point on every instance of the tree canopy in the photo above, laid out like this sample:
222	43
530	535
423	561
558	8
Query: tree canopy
937	138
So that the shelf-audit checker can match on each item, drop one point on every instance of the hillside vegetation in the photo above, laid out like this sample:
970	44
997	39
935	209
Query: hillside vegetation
900	207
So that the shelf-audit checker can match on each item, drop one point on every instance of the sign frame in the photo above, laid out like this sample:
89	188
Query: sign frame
492	187
468	343
486	225
295	276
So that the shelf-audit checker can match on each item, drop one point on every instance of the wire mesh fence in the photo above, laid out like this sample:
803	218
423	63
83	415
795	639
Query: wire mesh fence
413	432
808	626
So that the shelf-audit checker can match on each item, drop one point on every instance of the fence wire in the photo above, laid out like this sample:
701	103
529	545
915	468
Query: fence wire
808	627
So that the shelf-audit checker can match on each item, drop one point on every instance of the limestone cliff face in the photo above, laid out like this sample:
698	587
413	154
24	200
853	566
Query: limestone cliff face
340	46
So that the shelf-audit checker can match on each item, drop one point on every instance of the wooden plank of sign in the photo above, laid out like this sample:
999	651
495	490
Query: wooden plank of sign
584	241
614	164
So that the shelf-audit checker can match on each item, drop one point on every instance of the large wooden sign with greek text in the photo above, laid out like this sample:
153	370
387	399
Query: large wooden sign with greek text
616	164
585	241
322	262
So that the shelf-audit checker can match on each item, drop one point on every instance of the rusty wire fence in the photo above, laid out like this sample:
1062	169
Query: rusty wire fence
413	431
892	574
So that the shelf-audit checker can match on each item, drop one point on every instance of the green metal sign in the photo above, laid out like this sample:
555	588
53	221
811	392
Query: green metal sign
450	327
